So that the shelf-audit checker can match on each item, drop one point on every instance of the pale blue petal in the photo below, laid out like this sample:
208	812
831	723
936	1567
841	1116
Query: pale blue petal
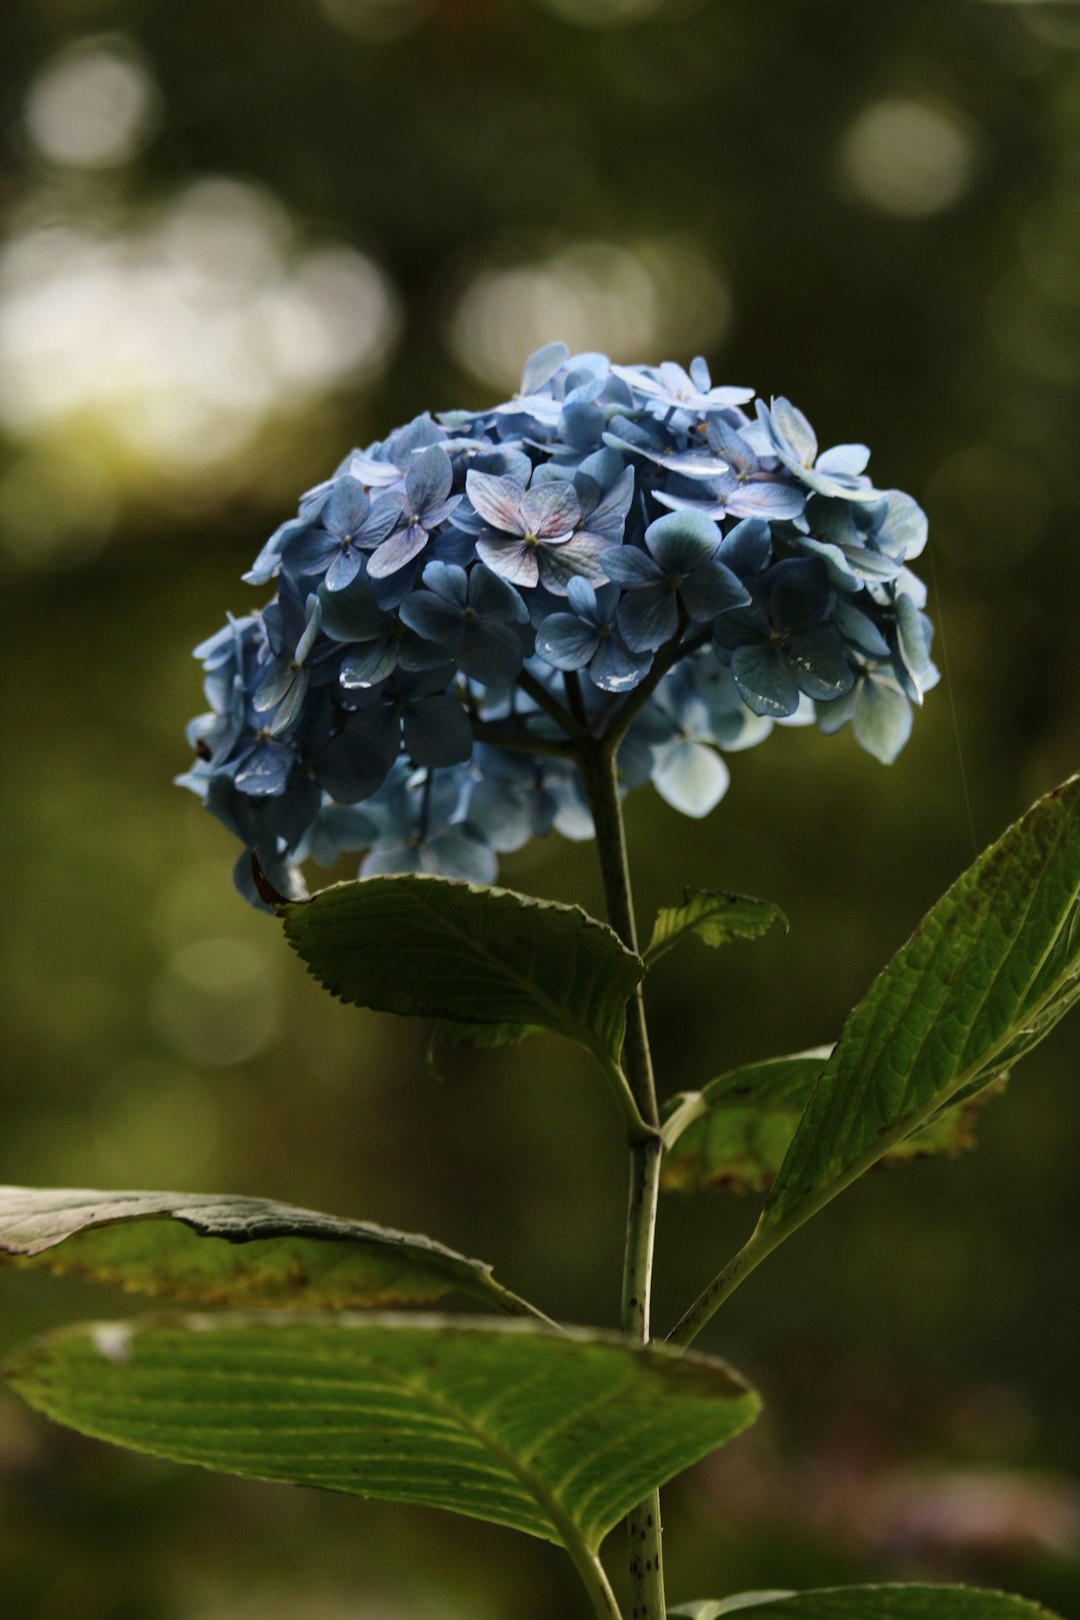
691	777
510	559
550	510
498	500
794	432
768	500
882	719
394	553
585	555
849	460
541	366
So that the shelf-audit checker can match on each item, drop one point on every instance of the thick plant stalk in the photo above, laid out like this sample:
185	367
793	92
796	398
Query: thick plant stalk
599	777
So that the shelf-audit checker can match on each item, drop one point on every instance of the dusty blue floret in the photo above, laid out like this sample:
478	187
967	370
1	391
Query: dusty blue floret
615	527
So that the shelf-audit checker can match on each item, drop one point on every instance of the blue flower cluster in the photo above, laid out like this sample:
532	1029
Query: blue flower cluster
627	545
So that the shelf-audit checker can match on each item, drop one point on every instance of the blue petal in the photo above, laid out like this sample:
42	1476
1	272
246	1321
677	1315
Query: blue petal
566	641
353	614
847	459
437	731
266	769
816	659
902	530
648	617
292	702
458	852
429	478
490	653
433	617
310	552
346	508
448	581
582	599
799	593
357	762
765	683
494	598
747	548
859	629
615	668
366	666
626	565
378	523
728	443
712	589
681	540
343	569
912	636
608	517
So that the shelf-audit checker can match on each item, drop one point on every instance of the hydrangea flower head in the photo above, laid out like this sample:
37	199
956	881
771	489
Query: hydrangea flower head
628	547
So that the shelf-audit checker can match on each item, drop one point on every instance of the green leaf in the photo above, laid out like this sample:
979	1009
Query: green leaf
869	1603
556	1434
985	976
734	1134
987	973
430	946
234	1251
715	918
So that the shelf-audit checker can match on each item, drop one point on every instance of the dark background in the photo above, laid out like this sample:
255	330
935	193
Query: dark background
239	238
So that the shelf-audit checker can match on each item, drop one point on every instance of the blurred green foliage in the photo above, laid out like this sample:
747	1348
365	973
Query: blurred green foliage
873	210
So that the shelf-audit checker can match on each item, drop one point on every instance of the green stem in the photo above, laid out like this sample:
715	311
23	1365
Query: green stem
550	705
524	742
600	780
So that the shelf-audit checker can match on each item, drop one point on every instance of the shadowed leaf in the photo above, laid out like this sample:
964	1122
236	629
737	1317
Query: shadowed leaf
470	955
868	1603
234	1251
733	1135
